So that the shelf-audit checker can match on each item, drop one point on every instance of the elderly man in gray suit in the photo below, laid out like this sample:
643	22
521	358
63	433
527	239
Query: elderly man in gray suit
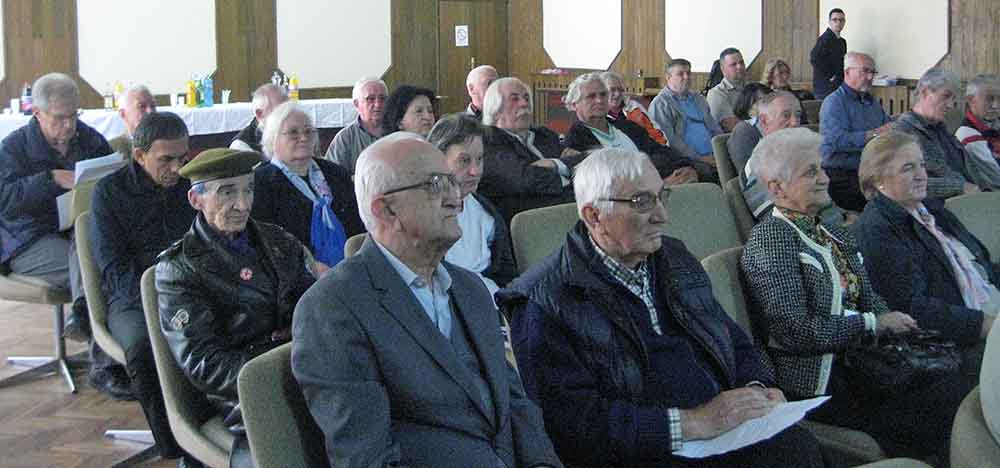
401	356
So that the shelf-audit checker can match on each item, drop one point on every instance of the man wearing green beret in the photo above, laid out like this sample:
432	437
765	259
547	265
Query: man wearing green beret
227	289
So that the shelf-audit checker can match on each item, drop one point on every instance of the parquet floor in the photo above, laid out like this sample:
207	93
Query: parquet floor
41	423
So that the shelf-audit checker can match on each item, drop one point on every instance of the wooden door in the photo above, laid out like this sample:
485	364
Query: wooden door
487	45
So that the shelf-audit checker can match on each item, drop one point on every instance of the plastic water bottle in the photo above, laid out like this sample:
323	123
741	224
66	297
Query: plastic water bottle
207	91
293	88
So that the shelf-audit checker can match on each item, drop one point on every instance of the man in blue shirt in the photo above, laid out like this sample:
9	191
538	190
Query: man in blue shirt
849	118
684	117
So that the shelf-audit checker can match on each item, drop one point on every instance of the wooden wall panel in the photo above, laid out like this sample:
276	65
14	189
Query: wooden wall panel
246	45
526	53
642	39
414	43
790	31
975	38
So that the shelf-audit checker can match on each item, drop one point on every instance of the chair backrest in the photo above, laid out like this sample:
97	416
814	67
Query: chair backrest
353	244
723	163
20	288
972	445
182	400
811	109
738	205
980	213
699	215
536	233
280	428
97	304
723	270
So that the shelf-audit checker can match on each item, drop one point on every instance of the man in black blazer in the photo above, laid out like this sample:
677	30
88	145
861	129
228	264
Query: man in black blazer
400	355
827	56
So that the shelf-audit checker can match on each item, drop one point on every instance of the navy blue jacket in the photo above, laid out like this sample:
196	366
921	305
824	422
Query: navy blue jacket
133	221
827	59
911	272
27	191
582	357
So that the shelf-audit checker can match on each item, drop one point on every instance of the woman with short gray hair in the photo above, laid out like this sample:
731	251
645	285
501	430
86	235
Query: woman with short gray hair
950	171
812	299
485	247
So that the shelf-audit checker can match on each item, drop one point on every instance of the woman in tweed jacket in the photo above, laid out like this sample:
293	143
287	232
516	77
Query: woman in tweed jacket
811	299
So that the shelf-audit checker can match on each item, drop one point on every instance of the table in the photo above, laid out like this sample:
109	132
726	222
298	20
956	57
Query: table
220	118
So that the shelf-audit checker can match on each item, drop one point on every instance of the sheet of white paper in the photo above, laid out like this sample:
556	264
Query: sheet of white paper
64	203
752	431
91	169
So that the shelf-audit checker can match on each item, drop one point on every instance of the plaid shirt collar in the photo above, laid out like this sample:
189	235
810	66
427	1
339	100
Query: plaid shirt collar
631	278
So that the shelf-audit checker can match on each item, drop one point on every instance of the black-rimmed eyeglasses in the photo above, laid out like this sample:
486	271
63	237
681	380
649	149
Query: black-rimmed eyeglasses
436	184
644	201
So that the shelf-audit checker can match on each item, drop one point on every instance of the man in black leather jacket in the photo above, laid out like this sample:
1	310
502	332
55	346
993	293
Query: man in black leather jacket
228	288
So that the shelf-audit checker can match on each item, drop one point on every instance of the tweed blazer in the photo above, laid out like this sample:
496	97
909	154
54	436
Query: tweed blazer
796	301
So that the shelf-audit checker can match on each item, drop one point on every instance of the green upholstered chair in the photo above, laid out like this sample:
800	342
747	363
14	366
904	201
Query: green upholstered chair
723	163
980	213
972	444
353	244
98	309
280	429
202	435
811	109
536	233
699	215
738	206
849	446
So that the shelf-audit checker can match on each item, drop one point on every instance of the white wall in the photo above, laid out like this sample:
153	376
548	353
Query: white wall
582	33
697	30
160	44
334	42
905	37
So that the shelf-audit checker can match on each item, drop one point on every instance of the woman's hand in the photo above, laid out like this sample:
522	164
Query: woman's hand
895	322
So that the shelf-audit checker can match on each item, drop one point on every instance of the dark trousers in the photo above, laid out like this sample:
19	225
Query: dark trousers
795	447
128	327
916	423
845	190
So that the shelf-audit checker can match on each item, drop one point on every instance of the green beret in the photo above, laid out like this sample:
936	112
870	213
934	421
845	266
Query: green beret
220	163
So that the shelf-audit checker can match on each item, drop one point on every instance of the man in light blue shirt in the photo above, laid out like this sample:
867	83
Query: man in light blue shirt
683	116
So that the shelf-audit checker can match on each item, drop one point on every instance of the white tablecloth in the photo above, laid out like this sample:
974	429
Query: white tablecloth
220	118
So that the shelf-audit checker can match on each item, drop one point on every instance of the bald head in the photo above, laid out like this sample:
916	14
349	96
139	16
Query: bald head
478	82
265	99
136	103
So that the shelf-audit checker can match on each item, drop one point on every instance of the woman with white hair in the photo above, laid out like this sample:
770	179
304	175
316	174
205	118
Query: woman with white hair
811	299
312	198
950	171
622	106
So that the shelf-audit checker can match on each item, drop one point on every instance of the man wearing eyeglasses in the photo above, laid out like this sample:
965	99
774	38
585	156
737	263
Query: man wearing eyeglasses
620	341
369	96
827	56
265	99
36	166
400	354
848	119
228	287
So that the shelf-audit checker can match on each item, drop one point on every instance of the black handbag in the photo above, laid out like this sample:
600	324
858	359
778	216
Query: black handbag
899	363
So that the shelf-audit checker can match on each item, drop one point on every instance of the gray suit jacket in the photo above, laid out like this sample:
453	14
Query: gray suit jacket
386	386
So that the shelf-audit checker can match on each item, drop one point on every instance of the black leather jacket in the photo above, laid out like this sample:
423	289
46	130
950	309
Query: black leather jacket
213	323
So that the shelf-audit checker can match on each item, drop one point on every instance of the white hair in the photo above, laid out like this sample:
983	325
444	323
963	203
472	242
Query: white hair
360	85
373	176
54	85
778	155
136	88
765	102
573	93
272	126
934	80
853	59
594	179
493	99
983	81
261	97
475	72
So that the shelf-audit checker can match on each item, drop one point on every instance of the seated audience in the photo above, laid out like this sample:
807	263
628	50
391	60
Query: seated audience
477	82
683	115
134	104
264	100
982	98
485	246
409	109
950	171
621	106
746	104
921	258
138	211
791	263
722	97
36	166
524	167
748	132
311	198
588	98
400	354
368	95
228	287
989	382
620	341
777	75
850	117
